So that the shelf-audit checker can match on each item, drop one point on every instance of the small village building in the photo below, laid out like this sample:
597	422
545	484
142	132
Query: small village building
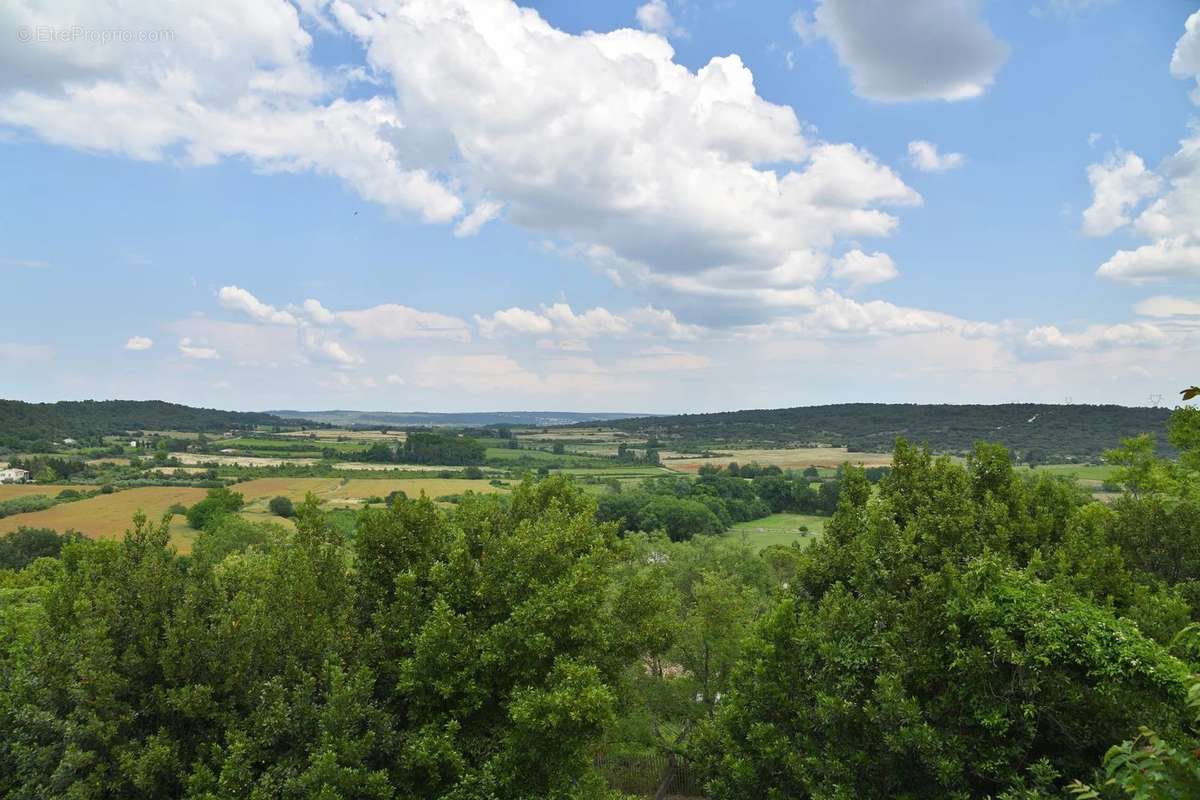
14	475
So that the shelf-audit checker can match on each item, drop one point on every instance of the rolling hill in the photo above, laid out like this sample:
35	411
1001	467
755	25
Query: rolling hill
1049	432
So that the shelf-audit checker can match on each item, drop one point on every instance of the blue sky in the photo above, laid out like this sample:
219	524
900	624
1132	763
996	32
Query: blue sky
647	206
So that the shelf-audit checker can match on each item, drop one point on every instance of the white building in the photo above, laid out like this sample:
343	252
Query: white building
14	475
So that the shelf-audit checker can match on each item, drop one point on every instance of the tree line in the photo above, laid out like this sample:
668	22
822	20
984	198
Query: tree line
428	447
1033	432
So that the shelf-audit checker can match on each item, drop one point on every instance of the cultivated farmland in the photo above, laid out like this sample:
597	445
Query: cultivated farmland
11	490
105	516
785	458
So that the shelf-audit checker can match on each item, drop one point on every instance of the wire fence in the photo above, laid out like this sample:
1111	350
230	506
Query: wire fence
644	774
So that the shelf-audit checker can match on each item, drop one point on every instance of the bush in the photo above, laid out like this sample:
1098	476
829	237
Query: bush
473	473
68	494
22	505
229	534
25	545
107	489
281	507
178	508
219	501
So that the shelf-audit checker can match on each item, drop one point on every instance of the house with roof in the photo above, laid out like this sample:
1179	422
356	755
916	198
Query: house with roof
14	475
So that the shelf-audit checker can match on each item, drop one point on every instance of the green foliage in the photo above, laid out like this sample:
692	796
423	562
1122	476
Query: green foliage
707	594
227	534
920	655
25	504
1149	767
25	545
281	507
476	654
218	502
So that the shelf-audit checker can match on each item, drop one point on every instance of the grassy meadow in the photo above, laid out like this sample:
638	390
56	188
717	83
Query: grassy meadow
781	529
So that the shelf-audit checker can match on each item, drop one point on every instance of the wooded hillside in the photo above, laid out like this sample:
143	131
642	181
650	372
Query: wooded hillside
1049	432
21	422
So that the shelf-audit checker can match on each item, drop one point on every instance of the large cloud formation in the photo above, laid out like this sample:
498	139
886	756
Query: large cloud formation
469	110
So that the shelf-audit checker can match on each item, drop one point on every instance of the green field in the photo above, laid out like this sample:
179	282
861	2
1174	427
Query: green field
1087	472
779	529
502	455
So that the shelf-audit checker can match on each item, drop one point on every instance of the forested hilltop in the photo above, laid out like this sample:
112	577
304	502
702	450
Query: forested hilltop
1048	432
22	423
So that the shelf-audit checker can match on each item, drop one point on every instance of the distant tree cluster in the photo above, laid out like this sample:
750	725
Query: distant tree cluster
428	447
716	499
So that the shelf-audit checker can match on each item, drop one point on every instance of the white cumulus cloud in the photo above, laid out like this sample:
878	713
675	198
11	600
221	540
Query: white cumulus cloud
655	16
1171	220
924	156
235	298
859	269
190	349
139	343
1119	183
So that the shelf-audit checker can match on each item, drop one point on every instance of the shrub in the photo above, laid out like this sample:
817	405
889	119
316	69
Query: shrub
22	505
25	545
281	507
219	501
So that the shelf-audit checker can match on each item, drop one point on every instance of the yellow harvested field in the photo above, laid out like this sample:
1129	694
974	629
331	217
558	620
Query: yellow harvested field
11	490
336	492
789	458
413	487
105	516
241	461
292	488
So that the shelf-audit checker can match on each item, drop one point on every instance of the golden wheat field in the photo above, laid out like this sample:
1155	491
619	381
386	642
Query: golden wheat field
787	458
413	487
107	515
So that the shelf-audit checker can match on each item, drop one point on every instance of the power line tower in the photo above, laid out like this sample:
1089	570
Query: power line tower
1068	400
1156	400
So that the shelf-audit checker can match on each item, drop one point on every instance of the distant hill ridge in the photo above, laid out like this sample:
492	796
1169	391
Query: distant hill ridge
22	422
471	418
1049	432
